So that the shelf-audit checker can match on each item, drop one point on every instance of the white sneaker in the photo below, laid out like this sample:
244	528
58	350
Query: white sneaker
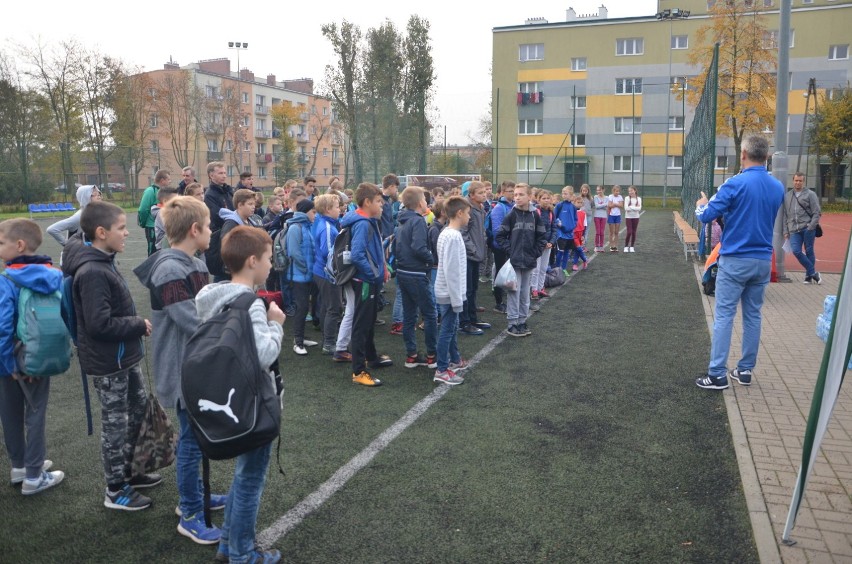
300	350
632	250
626	249
308	343
46	480
18	475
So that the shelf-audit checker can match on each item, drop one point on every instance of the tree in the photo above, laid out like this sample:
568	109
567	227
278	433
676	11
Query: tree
342	83
135	101
831	132
324	127
418	80
180	103
747	69
285	117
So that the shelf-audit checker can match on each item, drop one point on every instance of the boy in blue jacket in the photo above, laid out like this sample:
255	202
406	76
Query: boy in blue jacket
299	246
501	208
566	221
330	298
23	399
368	258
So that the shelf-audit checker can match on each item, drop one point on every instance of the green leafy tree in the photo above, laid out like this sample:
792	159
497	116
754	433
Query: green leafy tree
180	104
285	118
831	133
418	80
134	102
747	70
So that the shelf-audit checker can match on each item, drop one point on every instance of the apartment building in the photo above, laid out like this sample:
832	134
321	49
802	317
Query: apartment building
207	112
595	99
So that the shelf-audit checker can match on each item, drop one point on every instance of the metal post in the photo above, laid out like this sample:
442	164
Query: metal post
239	46
633	133
779	158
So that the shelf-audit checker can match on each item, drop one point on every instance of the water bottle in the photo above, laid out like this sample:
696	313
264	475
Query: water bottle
347	257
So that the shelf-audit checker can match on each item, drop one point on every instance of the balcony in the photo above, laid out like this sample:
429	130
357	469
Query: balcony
304	116
302	138
303	158
213	128
263	133
335	140
214	156
264	158
261	109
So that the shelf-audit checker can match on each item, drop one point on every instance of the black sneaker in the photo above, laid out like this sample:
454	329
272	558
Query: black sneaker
143	481
515	331
381	361
500	308
523	327
808	279
816	278
742	376
712	382
481	325
471	330
126	499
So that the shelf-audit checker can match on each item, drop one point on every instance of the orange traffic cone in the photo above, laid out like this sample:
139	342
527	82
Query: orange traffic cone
773	276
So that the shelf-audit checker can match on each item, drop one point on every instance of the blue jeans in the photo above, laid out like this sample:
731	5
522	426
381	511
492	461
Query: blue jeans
432	277
238	530
807	259
739	280
190	492
416	295
448	345
396	314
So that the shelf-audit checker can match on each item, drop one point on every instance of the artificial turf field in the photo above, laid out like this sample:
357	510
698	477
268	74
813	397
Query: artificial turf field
586	442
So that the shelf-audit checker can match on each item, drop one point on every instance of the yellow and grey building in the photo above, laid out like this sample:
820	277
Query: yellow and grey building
594	99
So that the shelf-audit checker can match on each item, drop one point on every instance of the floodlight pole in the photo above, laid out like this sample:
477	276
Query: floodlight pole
780	158
239	46
670	15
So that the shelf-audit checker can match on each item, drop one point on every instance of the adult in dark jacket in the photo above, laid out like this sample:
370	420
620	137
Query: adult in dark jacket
390	187
476	249
219	194
413	273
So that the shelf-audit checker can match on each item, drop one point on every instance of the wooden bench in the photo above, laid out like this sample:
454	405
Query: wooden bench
52	209
687	236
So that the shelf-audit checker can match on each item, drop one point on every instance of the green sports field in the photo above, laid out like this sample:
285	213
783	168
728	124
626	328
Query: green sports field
586	442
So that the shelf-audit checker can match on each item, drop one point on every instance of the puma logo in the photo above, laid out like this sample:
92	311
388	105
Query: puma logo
207	405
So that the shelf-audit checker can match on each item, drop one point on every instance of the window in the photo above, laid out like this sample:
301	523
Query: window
530	126
153	120
260	99
630	46
578	140
245	121
807	1
247	168
261	148
230	170
628	85
229	145
212	145
154	170
722	162
680	41
770	39
229	93
837	52
748	3
211	91
578	102
678	82
325	151
628	125
833	93
325	110
155	146
578	64
676	123
623	163
247	147
260	123
675	161
531	52
325	172
767	3
528	87
529	163
261	171
245	97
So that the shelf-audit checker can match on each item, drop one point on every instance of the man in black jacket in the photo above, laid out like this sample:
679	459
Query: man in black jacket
219	195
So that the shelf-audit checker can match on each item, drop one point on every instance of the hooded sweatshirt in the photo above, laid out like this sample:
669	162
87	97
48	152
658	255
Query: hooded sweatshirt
366	238
109	333
35	272
64	228
300	248
324	233
225	225
522	236
411	244
474	234
173	279
566	219
213	298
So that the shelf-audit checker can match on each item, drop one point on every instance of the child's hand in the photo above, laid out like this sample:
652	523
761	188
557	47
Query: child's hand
148	328
275	314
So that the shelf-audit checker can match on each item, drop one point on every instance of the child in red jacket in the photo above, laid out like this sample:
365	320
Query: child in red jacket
579	253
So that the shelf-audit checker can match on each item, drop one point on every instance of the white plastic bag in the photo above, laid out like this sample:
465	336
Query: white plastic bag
786	246
506	278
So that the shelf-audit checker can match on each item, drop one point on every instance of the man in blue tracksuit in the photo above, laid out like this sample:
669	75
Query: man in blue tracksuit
749	203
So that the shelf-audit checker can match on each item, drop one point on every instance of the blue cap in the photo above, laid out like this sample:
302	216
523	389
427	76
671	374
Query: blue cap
465	188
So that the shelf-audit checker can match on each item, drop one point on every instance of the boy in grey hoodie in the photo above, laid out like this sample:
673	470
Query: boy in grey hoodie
174	276
247	253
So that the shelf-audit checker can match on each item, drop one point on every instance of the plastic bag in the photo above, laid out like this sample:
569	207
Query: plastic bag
786	246
506	278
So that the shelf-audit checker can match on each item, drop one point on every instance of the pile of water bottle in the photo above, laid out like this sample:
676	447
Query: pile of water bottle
823	325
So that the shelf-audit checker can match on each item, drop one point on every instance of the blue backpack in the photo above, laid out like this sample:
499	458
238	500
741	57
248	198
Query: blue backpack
42	344
69	316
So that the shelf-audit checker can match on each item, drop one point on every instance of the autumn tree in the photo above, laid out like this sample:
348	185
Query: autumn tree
324	127
747	69
418	79
831	133
342	84
135	101
180	103
285	118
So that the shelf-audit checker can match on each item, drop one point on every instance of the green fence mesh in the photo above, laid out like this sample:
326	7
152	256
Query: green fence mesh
699	149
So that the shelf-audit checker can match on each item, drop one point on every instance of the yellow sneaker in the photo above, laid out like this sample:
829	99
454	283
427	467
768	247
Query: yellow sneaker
365	379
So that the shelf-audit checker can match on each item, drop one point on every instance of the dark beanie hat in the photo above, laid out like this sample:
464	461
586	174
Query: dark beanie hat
305	206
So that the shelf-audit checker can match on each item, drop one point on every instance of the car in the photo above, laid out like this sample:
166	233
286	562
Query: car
113	187
61	187
429	182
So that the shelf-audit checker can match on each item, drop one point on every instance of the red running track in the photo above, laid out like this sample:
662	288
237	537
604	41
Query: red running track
831	248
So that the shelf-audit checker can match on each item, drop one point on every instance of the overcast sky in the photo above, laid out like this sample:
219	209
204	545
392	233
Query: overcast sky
285	39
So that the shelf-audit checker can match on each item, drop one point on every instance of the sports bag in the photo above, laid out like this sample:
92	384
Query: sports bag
42	341
230	399
554	277
280	258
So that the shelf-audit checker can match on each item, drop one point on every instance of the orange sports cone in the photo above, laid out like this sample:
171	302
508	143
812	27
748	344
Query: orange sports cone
773	276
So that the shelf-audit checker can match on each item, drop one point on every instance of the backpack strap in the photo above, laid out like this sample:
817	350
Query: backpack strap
244	301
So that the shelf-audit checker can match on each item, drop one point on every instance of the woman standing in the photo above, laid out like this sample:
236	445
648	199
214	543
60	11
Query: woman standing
632	207
588	206
615	202
600	214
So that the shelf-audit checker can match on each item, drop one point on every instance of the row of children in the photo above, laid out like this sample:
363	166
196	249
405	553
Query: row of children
110	348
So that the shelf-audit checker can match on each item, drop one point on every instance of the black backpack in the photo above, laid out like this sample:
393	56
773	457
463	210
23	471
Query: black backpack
213	254
342	266
230	399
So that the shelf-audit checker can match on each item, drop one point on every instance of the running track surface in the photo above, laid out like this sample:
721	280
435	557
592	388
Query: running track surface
830	249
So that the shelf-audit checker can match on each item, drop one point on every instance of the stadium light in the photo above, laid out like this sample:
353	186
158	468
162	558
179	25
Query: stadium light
239	46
